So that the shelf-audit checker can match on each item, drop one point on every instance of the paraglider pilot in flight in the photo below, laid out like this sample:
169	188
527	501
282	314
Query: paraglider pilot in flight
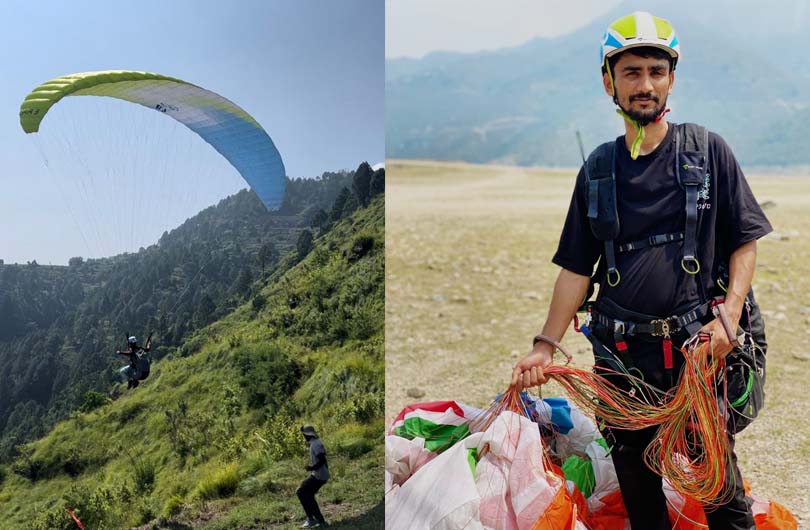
138	368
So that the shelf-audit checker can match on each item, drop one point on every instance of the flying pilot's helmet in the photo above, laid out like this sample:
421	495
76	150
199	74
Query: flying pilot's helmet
132	341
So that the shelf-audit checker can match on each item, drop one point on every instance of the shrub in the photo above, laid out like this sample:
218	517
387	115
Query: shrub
222	483
361	409
172	507
259	301
28	467
360	246
144	475
281	437
93	400
269	375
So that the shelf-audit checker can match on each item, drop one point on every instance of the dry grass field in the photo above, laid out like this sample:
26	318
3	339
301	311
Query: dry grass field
469	279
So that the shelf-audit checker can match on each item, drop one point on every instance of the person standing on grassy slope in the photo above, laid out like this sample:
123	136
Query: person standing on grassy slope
669	216
318	477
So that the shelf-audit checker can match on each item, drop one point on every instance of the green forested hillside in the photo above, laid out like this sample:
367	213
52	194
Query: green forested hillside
60	326
211	439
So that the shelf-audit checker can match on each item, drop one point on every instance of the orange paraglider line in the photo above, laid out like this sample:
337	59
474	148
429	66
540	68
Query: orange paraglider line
78	523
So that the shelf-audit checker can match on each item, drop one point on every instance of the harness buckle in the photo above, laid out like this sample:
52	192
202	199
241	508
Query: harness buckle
662	328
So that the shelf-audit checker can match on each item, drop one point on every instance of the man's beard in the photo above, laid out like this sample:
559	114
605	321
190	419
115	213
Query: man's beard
645	117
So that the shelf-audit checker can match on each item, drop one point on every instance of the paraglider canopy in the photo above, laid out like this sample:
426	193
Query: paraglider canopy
220	122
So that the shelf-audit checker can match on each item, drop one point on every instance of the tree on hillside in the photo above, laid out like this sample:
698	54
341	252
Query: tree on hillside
377	185
320	221
205	308
266	254
352	204
243	281
361	182
340	202
304	245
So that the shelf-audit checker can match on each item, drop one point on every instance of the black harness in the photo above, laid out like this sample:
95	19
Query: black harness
691	170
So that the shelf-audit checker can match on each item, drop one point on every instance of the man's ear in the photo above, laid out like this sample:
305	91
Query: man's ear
608	85
671	81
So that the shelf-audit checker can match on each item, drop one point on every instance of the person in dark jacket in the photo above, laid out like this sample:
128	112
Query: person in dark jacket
138	368
319	475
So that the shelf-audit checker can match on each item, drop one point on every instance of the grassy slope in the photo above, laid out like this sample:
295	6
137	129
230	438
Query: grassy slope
136	424
469	280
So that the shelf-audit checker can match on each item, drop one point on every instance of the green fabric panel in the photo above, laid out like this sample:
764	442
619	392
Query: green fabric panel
603	443
626	26
662	28
437	437
42	98
108	83
472	459
580	472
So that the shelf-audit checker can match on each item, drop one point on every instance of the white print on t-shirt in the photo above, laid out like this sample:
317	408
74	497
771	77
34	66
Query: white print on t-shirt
703	194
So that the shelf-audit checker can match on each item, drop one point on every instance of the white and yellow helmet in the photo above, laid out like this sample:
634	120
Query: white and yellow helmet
636	30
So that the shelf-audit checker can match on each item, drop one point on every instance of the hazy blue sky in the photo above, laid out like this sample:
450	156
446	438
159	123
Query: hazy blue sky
311	72
417	27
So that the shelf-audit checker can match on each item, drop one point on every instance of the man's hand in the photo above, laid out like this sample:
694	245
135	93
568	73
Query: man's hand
721	342
529	371
308	467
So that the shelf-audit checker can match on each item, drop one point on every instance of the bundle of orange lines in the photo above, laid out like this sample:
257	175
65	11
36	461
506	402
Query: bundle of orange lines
691	448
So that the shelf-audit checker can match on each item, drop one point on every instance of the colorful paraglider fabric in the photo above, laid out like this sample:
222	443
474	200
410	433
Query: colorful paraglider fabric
403	457
509	489
573	429
579	471
604	474
220	122
439	423
498	478
419	433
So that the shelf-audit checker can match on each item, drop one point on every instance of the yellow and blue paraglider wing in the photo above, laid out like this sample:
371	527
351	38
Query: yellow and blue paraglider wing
220	122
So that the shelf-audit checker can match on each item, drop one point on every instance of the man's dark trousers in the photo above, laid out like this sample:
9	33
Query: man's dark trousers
306	494
641	488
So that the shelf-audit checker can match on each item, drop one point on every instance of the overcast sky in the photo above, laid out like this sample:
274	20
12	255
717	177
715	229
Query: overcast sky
417	27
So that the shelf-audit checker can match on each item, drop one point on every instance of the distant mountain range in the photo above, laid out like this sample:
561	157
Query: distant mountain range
744	74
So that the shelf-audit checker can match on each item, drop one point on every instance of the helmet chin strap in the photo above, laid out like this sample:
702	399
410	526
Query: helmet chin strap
635	148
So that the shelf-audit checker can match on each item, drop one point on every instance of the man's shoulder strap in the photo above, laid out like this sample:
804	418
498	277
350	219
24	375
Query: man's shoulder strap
692	170
691	153
600	162
600	179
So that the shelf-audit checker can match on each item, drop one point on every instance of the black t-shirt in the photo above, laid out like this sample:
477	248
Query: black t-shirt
650	201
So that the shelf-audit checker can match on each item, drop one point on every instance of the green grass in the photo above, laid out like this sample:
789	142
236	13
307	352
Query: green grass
185	451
